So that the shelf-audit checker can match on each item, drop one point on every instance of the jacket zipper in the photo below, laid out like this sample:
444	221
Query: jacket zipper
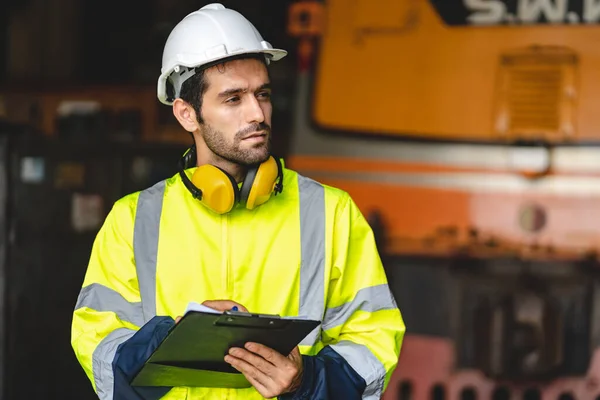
224	261
227	255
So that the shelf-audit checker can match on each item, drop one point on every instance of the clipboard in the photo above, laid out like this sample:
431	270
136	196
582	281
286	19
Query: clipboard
192	352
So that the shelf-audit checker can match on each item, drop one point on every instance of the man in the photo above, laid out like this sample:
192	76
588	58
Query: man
216	234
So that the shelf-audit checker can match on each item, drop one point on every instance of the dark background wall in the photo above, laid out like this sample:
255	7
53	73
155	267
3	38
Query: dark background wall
111	41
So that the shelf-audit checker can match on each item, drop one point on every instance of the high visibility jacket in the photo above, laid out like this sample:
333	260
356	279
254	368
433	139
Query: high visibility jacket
307	252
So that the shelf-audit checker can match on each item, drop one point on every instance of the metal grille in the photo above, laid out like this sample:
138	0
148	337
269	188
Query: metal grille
534	99
536	94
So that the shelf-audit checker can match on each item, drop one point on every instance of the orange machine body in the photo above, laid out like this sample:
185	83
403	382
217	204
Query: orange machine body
463	129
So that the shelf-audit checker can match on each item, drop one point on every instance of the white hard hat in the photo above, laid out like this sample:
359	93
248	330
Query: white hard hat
205	36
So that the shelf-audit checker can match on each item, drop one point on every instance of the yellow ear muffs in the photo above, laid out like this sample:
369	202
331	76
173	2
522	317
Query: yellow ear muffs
219	190
260	182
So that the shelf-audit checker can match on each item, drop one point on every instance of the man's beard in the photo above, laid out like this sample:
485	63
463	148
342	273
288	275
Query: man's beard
216	142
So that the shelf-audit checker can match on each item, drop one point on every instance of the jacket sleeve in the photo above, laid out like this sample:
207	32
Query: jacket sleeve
327	376
363	328
108	312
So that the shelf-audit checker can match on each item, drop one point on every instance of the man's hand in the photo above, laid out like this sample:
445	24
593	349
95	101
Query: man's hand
220	305
223	305
270	372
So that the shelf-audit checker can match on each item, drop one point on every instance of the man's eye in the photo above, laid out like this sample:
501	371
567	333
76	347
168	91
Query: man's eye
264	95
232	99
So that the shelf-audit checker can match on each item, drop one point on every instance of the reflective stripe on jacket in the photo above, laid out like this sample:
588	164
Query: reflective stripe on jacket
307	252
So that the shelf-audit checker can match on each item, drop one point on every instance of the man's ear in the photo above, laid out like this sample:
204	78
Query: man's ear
185	114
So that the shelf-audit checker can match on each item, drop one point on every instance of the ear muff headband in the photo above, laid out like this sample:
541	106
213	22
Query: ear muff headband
278	188
247	185
188	161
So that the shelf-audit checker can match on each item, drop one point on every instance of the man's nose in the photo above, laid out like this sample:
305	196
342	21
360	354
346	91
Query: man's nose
254	112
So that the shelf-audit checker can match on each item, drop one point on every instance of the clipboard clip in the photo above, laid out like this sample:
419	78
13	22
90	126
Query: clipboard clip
247	314
250	320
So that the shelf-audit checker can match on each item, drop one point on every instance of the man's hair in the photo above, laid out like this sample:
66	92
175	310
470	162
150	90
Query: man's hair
193	89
